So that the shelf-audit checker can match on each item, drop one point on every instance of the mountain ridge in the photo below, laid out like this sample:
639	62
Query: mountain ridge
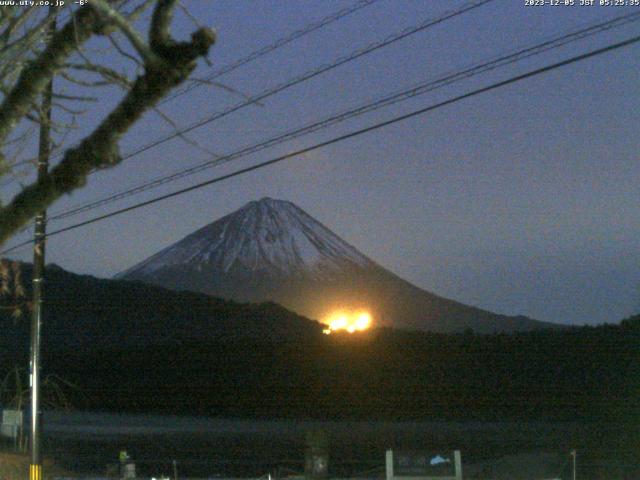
84	312
272	250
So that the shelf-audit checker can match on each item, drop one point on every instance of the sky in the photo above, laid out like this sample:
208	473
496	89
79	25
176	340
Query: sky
523	200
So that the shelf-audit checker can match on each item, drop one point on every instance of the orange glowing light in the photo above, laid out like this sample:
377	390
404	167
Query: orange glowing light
351	322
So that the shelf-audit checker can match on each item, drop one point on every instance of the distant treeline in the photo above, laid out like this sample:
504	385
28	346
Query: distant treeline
590	373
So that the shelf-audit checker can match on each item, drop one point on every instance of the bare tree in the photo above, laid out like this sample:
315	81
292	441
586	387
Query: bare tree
29	60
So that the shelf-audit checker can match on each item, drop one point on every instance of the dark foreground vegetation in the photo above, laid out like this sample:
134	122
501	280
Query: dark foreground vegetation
536	392
587	373
134	348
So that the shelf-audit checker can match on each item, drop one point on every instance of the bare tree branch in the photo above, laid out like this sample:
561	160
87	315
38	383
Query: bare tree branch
127	29
182	136
123	52
35	77
171	64
137	11
107	73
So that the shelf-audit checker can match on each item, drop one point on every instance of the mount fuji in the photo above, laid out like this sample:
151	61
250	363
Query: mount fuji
271	250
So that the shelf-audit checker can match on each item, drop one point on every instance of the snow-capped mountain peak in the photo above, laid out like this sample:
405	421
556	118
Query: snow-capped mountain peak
269	236
271	250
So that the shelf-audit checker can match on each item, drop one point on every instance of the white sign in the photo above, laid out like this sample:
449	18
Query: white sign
11	423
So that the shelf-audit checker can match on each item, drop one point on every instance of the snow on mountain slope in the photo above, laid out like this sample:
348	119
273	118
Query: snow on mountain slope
269	236
271	250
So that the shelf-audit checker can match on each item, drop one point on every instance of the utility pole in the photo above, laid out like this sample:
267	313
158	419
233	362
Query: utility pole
44	149
573	455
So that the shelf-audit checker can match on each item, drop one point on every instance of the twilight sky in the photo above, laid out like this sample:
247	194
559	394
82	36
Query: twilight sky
523	200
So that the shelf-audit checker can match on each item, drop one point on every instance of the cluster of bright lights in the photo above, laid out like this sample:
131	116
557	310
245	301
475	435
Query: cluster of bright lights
351	322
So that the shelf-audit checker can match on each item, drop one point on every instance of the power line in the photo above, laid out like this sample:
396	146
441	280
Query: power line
341	138
318	71
281	42
420	89
311	74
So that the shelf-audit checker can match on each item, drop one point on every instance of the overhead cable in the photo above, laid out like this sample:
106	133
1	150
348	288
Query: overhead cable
341	138
281	42
388	100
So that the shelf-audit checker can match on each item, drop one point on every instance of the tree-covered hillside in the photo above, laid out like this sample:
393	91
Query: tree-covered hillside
132	347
